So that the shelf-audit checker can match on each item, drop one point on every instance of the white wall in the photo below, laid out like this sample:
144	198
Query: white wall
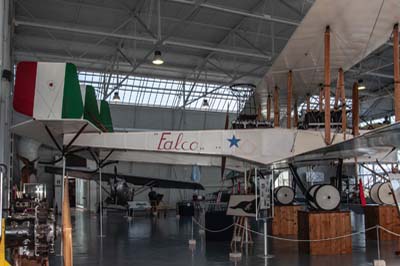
141	117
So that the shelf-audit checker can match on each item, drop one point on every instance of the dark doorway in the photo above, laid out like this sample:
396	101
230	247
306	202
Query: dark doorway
72	192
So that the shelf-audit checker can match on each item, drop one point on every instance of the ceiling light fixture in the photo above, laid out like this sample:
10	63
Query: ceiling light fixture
361	85
116	97
157	60
205	103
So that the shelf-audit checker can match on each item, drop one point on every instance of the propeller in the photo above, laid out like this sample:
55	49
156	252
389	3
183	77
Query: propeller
28	169
115	172
115	181
27	162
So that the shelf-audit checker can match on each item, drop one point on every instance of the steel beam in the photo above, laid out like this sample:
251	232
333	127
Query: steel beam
171	19
226	83
141	38
217	76
239	12
202	64
265	17
219	50
396	74
83	31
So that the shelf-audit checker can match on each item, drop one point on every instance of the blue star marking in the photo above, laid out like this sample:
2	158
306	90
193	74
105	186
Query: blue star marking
234	142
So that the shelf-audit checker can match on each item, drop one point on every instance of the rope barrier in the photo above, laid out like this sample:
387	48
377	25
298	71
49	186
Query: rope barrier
388	231
295	240
209	230
309	240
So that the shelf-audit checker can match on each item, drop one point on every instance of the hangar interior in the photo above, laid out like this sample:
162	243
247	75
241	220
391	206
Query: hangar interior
258	132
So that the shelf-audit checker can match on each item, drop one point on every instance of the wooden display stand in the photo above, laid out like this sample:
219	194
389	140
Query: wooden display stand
285	220
322	225
385	216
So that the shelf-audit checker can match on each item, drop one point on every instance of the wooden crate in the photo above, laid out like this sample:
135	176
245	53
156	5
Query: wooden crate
386	216
285	220
322	225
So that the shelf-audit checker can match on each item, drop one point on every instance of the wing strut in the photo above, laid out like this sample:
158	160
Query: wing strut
100	164
339	175
299	183
66	247
375	173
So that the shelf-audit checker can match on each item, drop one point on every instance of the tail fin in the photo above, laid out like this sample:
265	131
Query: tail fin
45	90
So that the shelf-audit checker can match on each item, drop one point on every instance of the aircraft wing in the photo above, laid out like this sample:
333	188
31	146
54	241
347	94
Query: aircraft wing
40	129
379	141
86	173
357	29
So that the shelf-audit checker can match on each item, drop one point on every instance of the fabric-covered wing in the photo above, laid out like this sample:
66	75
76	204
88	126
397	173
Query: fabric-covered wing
135	180
357	27
380	140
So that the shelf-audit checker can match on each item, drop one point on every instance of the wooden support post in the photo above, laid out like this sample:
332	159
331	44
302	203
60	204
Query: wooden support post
308	109
296	114
355	110
321	99
289	100
66	226
327	87
337	96
259	115
276	107
269	108
343	101
396	72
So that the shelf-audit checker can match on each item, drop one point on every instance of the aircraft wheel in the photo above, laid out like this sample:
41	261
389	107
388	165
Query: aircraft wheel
327	197
385	194
284	195
373	193
311	191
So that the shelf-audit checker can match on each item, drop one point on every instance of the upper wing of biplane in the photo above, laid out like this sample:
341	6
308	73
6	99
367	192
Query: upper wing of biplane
86	173
357	28
373	144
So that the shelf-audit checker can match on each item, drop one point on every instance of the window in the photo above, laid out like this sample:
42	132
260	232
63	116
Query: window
282	180
156	92
314	103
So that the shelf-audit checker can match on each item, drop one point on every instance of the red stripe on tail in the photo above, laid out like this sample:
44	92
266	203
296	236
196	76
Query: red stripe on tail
24	89
362	196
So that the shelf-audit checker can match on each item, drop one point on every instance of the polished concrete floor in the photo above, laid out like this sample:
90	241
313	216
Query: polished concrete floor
151	242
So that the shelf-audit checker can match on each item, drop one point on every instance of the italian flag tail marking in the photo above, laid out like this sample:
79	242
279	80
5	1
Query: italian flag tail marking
47	90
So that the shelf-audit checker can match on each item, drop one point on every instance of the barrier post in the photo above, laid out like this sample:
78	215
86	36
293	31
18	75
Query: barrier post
378	243
192	241
378	262
101	203
265	239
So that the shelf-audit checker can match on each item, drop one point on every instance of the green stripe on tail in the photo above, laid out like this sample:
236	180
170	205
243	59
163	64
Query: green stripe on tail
105	116
91	111
72	99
